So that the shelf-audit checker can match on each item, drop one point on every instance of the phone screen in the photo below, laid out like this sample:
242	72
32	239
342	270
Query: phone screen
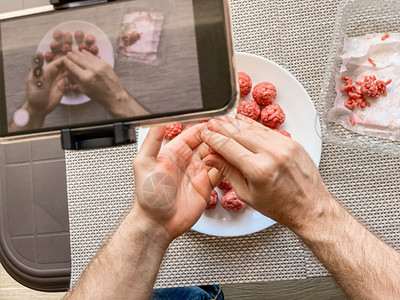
121	61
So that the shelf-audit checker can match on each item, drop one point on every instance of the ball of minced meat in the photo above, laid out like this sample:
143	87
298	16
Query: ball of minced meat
79	36
212	203
264	93
231	202
172	131
90	40
245	83
272	116
224	185
249	108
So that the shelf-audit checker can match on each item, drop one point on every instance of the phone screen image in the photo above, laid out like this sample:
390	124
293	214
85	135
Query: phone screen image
101	64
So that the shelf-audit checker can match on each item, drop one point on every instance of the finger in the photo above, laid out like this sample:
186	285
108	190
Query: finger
152	143
191	137
83	59
76	71
54	68
214	176
231	173
201	150
250	135
244	118
231	150
198	175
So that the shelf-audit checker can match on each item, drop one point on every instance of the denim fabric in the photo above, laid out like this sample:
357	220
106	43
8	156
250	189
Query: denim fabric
205	292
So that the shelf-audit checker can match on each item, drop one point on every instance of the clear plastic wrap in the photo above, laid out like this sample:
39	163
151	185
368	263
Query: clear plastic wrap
355	18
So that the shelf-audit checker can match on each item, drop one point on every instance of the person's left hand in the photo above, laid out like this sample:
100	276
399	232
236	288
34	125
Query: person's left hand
45	98
172	184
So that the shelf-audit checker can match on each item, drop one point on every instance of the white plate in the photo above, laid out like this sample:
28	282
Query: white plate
300	122
106	51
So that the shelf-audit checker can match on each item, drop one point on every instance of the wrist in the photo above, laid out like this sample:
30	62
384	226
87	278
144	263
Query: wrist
151	231
320	219
34	112
119	106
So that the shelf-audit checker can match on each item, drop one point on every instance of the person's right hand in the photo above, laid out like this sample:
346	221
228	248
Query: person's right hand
94	77
270	172
97	79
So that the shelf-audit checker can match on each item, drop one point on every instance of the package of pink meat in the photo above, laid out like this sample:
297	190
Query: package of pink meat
140	33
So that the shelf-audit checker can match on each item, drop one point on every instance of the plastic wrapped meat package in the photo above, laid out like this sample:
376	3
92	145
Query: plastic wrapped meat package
140	35
376	55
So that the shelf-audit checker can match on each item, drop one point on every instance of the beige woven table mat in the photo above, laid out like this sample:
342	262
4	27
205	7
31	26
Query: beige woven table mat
296	34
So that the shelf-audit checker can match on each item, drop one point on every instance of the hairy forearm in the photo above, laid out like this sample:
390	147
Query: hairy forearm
127	267
361	263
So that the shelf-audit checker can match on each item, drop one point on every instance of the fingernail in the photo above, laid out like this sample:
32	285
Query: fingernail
211	124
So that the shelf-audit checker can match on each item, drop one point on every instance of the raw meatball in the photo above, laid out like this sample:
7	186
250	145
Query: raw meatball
284	132
212	203
83	46
249	108
68	38
173	131
58	35
79	36
66	48
55	47
264	93
245	84
90	40
224	185
94	49
272	116
231	202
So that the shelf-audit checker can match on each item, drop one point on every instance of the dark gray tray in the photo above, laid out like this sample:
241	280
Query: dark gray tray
34	229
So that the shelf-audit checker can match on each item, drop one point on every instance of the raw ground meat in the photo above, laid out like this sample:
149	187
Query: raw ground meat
249	108
272	116
224	185
231	202
212	203
284	132
79	36
173	131
245	84
264	93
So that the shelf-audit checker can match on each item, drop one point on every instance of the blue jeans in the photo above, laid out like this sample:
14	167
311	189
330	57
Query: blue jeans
204	292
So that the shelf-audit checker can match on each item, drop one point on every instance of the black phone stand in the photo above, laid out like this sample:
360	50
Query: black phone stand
98	137
62	4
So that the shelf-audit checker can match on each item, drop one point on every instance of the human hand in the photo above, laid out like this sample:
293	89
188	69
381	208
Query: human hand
172	184
97	79
46	88
270	172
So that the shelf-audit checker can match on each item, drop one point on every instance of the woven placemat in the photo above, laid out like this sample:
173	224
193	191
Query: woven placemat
295	34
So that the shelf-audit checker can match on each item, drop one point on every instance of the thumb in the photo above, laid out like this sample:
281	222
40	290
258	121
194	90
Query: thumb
231	173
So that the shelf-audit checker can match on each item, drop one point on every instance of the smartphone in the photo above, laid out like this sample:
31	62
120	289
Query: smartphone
138	62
